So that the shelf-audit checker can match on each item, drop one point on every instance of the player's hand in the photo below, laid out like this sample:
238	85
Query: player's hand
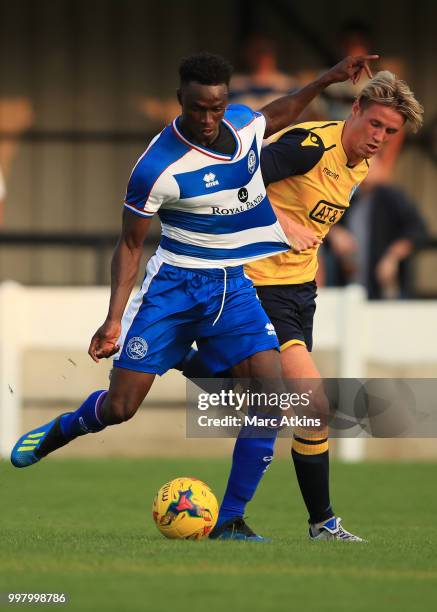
301	237
104	342
351	67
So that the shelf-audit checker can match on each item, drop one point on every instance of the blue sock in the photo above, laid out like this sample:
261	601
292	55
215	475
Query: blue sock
252	456
85	419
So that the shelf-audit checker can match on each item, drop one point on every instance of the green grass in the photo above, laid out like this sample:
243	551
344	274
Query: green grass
84	527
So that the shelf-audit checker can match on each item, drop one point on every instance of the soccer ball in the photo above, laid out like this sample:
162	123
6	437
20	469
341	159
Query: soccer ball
185	508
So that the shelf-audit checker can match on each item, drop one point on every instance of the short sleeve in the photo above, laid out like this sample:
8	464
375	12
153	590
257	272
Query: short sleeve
296	152
143	196
147	188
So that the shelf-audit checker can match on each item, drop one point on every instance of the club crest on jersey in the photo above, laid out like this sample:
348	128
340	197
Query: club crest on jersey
312	140
251	161
136	348
210	180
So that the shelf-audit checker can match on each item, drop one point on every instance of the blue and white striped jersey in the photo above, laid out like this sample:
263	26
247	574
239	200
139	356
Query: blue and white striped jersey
213	208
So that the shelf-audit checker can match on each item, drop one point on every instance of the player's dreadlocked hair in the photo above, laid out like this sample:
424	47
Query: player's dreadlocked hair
385	88
206	69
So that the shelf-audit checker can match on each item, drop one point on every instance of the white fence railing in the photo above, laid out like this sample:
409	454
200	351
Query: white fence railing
64	318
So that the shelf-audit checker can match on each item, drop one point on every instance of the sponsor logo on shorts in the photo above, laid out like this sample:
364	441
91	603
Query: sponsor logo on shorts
270	329
136	348
251	161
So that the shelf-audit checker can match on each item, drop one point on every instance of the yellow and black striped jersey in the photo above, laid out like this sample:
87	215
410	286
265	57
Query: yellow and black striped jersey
310	180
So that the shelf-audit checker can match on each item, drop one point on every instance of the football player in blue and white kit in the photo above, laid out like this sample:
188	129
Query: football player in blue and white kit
202	176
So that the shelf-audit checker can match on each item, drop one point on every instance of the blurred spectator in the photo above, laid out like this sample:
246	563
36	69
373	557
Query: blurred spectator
2	196
261	81
16	115
355	38
160	112
373	245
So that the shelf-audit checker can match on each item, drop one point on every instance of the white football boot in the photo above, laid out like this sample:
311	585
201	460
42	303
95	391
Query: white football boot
332	530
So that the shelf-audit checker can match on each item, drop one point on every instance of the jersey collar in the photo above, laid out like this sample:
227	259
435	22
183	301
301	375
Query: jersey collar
205	150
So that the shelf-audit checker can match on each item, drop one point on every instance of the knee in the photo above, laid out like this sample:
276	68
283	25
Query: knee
317	413
117	409
320	408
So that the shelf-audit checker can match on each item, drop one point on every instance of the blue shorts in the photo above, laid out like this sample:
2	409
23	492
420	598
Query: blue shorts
178	306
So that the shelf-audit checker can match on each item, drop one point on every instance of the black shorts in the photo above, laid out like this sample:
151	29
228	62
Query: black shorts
291	309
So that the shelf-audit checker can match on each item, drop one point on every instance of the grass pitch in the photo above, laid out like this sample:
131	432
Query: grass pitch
84	528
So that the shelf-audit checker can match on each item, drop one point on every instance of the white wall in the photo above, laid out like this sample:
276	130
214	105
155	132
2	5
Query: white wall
35	321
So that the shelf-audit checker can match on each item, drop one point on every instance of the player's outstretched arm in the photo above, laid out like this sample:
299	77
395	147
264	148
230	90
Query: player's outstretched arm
124	272
282	112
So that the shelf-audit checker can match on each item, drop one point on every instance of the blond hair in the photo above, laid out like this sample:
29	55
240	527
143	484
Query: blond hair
385	88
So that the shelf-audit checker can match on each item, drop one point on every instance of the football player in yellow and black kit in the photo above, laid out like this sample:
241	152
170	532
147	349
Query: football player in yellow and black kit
311	181
312	171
